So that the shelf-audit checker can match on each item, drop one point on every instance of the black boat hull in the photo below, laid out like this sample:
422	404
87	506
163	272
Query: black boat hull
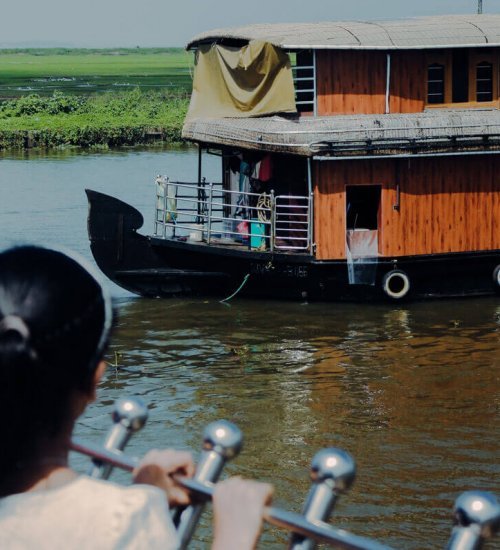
152	266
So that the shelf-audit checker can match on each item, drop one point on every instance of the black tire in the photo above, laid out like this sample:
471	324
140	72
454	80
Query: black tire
496	278
396	284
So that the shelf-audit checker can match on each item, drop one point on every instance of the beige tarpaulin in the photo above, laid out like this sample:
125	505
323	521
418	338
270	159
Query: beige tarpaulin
241	82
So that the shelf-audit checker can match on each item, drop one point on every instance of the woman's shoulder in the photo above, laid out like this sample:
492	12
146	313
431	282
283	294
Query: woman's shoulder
87	510
113	491
87	493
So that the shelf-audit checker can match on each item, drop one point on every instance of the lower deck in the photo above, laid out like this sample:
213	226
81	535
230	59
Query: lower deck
338	209
181	265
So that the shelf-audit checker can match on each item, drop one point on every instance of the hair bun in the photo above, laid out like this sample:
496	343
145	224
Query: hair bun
14	323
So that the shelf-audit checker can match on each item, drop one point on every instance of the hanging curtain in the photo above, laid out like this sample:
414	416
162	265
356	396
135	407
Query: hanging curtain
241	82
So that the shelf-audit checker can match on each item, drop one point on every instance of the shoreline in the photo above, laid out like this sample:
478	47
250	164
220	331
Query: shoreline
89	137
98	121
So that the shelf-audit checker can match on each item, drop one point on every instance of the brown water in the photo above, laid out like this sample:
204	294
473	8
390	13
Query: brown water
412	392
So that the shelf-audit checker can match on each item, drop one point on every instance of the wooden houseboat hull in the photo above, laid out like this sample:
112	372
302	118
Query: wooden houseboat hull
159	267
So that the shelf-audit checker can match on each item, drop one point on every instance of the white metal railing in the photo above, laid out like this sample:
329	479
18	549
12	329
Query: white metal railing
304	78
208	213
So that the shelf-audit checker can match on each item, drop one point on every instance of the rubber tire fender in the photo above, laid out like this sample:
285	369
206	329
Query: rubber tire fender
390	277
496	277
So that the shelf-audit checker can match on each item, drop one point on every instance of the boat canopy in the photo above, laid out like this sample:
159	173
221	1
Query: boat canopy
445	31
250	81
433	131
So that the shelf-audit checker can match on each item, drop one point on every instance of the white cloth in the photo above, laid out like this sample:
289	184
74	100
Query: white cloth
87	514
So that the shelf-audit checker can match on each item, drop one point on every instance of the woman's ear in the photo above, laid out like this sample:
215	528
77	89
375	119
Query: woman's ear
98	374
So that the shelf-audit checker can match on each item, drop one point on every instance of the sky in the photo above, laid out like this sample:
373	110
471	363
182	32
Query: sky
131	23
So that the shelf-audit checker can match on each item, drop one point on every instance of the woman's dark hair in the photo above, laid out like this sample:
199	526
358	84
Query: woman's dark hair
54	327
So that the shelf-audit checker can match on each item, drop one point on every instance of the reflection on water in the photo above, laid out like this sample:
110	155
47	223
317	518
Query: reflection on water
412	392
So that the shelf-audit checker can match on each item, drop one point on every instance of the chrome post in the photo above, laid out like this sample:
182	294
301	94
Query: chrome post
222	441
477	517
203	492
129	416
332	474
210	195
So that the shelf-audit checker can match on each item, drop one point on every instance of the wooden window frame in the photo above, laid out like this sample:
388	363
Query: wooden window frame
475	57
444	59
435	67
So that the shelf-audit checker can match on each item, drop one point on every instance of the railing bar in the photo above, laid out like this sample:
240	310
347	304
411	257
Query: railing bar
288	222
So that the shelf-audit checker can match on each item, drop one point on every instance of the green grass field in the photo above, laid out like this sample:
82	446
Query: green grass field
82	72
91	98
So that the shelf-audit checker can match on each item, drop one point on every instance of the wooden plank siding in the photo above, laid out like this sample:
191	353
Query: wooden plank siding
408	88
447	204
350	82
355	82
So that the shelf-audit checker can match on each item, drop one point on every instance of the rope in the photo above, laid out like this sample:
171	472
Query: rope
245	279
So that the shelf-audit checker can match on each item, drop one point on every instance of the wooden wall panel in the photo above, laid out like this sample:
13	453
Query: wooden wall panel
408	89
355	82
330	207
447	204
350	82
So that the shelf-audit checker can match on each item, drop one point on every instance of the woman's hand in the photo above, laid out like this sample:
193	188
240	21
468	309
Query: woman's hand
238	508
158	467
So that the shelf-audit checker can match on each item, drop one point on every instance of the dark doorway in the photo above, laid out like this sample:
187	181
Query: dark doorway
362	206
460	76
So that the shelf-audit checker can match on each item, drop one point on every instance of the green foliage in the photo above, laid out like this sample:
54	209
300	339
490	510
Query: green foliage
34	104
108	119
90	108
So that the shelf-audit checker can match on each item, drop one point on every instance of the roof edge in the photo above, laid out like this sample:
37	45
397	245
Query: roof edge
477	31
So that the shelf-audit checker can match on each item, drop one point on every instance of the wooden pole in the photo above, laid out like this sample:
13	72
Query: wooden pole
479	6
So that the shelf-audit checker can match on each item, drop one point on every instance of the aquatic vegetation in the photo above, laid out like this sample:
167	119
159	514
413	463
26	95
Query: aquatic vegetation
55	97
106	119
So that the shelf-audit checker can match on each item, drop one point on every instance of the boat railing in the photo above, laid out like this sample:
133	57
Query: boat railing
206	212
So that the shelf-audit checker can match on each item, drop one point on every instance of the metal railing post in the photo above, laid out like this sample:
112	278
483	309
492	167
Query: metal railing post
310	224
157	202
272	235
210	193
164	217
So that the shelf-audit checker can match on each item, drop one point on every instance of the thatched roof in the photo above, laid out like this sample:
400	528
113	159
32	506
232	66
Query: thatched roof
418	33
433	131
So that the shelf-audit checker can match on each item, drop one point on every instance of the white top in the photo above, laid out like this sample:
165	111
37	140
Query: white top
87	514
437	31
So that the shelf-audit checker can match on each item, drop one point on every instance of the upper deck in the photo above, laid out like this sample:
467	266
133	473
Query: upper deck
378	67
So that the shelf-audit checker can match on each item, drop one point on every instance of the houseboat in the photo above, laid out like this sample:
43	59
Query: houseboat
358	161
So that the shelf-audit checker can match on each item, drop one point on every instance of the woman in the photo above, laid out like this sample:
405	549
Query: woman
55	322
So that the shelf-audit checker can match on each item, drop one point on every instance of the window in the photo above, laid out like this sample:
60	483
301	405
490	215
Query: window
435	83
462	76
304	78
439	85
484	81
